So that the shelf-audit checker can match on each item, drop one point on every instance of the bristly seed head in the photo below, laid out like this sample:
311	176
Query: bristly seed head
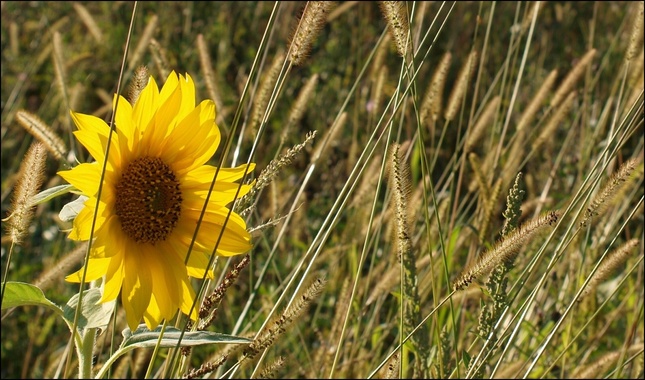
148	200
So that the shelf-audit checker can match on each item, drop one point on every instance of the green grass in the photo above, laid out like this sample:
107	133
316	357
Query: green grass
330	212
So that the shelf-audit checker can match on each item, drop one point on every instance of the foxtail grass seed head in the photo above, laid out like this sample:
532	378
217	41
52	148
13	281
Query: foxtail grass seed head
598	368
269	173
30	178
209	307
59	64
461	86
398	24
380	54
374	106
89	22
205	368
41	131
489	207
433	101
311	22
570	80
69	260
612	261
264	93
480	179
399	178
271	369
331	136
550	129
609	190
138	83
536	102
159	57
505	250
300	105
279	326
484	121
513	211
209	76
392	368
144	42
636	36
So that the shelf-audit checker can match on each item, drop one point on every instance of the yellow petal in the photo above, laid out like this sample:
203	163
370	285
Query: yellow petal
82	225
113	279
108	240
194	140
95	269
217	215
188	96
90	123
152	316
231	243
169	87
197	261
202	176
85	177
146	106
166	272
187	298
223	193
128	134
137	287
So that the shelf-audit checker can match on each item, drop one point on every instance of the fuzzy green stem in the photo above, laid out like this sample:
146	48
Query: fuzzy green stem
85	350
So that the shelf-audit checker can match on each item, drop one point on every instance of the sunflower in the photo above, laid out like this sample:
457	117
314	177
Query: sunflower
154	189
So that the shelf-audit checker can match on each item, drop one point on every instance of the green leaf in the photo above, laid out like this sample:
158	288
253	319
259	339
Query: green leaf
143	337
70	210
23	294
51	193
466	358
93	314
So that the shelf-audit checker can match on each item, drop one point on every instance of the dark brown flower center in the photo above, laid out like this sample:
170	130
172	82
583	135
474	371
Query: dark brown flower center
148	200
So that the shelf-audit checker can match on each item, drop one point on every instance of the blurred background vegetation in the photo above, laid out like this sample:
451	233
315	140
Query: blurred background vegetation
33	340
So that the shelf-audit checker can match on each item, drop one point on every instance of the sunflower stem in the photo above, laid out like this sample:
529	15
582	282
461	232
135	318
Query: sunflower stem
85	350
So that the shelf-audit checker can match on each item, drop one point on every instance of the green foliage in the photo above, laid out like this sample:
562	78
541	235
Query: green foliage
332	219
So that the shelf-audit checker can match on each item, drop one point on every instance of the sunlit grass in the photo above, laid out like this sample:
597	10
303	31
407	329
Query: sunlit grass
354	249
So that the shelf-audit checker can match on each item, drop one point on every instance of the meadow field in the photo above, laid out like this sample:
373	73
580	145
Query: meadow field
322	189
